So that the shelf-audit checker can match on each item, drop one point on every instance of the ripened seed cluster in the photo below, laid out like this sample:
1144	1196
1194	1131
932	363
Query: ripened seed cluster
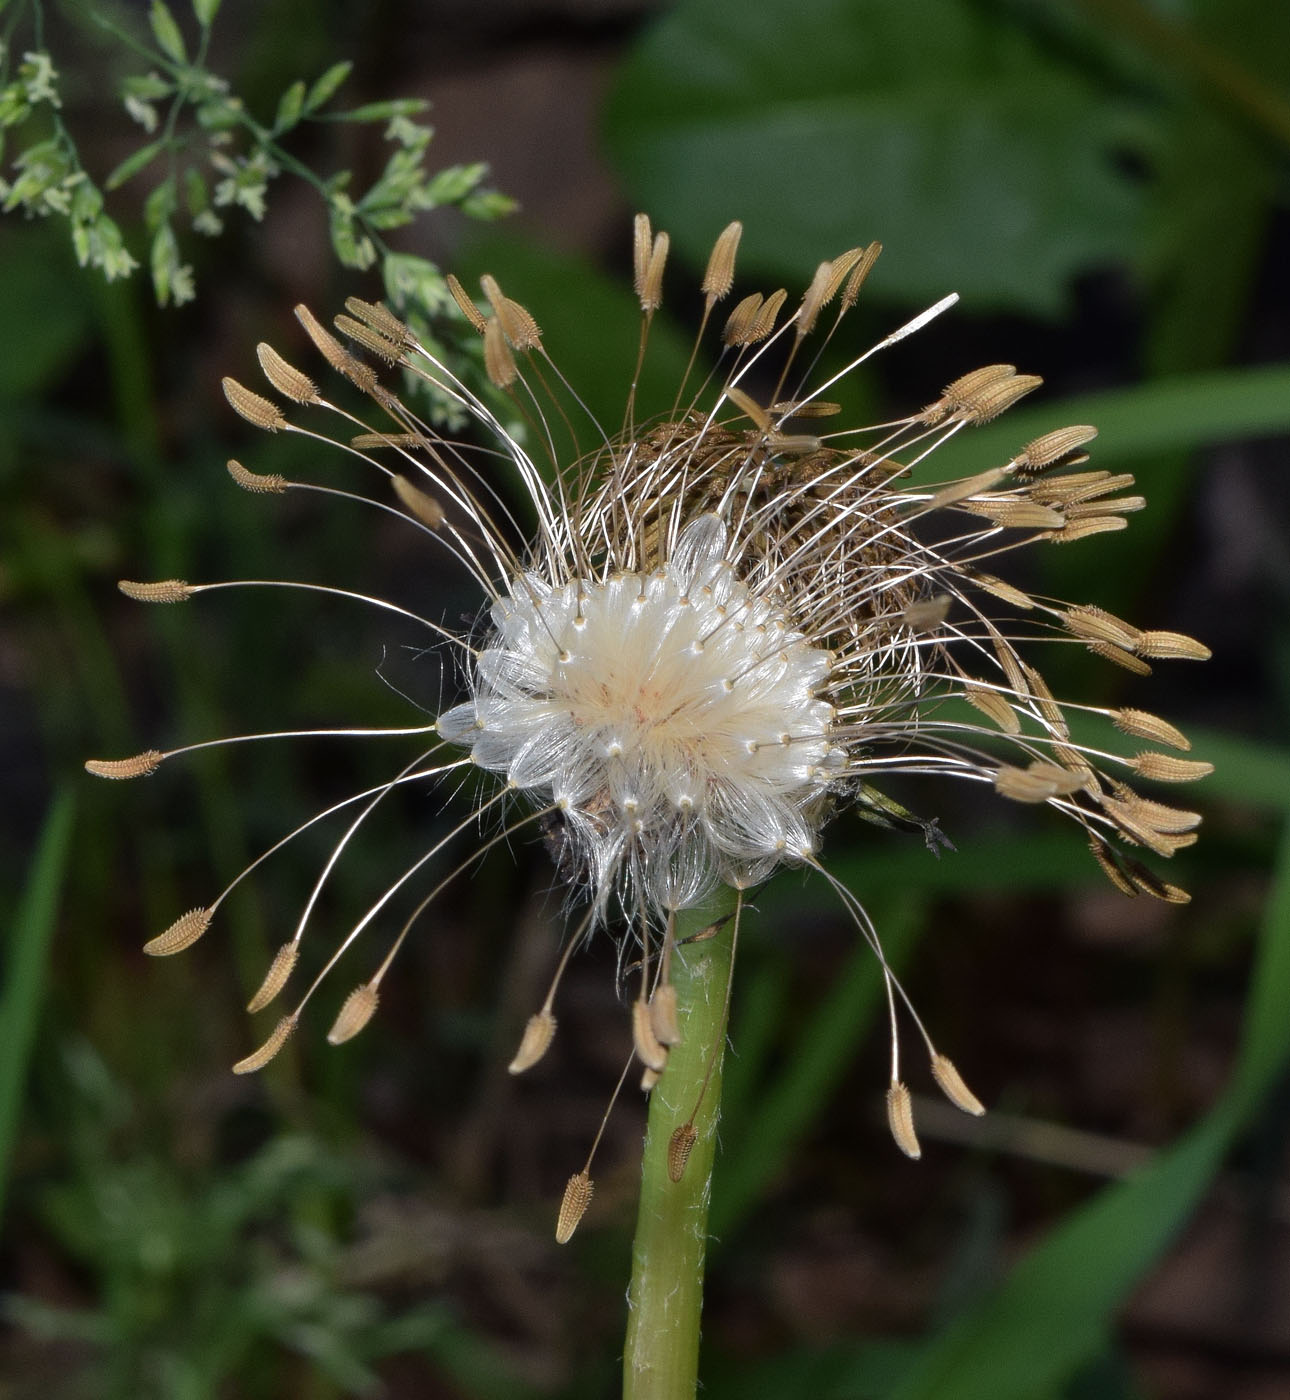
732	621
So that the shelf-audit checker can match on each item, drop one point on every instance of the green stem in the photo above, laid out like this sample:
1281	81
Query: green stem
665	1299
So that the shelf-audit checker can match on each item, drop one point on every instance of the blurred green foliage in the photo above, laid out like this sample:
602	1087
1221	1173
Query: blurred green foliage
169	1235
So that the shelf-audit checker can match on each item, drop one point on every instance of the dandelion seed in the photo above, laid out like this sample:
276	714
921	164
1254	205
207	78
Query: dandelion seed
720	635
577	1197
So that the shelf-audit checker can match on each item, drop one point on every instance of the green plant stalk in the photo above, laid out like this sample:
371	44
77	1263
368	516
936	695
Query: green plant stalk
665	1300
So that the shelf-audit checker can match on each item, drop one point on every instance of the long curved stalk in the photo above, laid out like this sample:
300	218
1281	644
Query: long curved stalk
665	1300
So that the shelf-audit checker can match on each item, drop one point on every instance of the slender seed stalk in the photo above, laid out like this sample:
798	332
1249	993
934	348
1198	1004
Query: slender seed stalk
665	1299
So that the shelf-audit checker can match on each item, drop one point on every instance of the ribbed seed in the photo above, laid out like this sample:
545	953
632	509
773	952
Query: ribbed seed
139	765
534	1043
679	1147
356	1011
284	961
183	933
166	590
258	483
900	1119
573	1206
255	408
953	1087
285	378
278	1038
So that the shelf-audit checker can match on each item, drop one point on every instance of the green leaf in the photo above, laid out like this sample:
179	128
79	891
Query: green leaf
27	964
1054	1309
148	87
324	88
291	106
160	205
988	161
132	164
384	111
206	10
166	31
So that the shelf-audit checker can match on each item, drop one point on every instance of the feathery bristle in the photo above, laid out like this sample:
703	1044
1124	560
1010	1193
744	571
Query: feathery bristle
255	408
573	1206
140	765
720	274
183	933
284	961
285	378
166	590
900	1120
257	1060
953	1087
535	1042
257	483
679	1147
356	1011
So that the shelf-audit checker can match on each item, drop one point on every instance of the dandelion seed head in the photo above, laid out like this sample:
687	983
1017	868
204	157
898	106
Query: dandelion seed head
724	630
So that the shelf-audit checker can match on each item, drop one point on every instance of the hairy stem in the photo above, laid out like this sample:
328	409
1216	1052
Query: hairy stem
665	1299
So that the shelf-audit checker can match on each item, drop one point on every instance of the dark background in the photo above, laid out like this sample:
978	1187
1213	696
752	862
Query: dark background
1105	184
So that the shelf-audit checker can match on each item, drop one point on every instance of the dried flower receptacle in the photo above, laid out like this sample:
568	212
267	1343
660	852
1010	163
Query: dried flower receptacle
730	624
